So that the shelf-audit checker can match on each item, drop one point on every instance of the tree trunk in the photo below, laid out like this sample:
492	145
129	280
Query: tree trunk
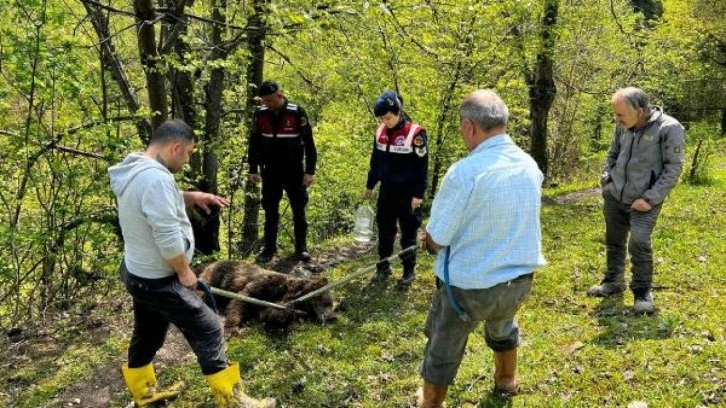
206	226
256	46
466	48
150	60
113	63
181	82
596	138
440	124
542	89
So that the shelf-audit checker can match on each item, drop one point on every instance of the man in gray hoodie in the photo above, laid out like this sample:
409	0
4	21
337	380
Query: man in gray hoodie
643	164
158	247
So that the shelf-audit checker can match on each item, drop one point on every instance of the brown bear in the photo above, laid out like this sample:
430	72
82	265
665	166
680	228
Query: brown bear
263	284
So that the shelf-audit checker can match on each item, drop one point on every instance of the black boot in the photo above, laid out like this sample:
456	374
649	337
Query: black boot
303	255
383	271
265	256
409	273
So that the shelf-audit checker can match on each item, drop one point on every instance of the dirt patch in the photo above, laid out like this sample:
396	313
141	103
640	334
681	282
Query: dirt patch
573	197
322	261
107	384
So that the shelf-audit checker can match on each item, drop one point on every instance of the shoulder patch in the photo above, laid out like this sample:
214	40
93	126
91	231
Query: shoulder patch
291	106
418	141
303	121
420	151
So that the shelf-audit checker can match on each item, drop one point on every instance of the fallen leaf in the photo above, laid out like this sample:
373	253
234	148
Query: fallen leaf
575	346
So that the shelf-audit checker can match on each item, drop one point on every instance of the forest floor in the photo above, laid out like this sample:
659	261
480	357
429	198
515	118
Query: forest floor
576	351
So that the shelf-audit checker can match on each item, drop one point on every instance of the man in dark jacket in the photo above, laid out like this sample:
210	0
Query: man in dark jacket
643	164
280	142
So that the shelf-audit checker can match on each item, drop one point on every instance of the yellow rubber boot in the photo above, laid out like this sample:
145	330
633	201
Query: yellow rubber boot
226	386
142	384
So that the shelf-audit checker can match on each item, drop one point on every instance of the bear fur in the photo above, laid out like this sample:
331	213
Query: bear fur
263	284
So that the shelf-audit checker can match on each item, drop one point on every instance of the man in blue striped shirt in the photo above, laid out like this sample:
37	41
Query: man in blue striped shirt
485	228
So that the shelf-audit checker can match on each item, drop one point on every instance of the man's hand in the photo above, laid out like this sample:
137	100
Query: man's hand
415	203
641	205
308	179
253	178
183	272
204	200
429	244
368	194
188	278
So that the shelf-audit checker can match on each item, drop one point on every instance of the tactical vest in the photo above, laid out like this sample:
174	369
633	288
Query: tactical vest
401	139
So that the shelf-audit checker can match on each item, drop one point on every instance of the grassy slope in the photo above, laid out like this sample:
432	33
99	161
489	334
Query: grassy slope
576	351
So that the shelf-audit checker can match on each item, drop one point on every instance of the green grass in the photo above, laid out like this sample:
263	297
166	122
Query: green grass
576	352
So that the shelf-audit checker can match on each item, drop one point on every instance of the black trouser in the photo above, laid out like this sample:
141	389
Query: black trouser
619	220
273	183
394	207
158	302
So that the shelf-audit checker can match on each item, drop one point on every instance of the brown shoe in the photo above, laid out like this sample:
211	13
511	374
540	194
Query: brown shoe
431	395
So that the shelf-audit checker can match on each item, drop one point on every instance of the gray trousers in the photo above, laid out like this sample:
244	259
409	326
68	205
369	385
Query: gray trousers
620	220
448	334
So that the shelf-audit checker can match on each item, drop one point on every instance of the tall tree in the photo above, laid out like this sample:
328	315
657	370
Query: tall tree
256	33
151	61
541	84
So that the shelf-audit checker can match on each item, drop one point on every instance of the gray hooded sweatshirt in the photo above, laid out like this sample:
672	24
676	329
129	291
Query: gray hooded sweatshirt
152	215
645	162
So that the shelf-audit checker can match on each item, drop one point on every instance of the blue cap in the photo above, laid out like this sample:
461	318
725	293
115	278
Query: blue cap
268	88
389	101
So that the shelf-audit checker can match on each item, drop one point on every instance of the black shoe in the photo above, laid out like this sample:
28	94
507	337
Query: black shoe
643	303
303	256
383	273
265	257
408	275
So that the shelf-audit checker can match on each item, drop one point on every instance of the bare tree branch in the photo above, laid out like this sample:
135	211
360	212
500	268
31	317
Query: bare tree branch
79	152
113	62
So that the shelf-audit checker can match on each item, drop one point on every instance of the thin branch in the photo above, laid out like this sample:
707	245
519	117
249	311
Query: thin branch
110	37
287	59
413	39
92	123
109	8
79	152
104	216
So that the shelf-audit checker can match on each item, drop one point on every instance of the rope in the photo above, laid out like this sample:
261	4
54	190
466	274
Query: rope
401	255
209	298
209	290
457	307
237	296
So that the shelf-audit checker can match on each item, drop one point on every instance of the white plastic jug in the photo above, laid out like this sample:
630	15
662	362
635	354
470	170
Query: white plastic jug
363	229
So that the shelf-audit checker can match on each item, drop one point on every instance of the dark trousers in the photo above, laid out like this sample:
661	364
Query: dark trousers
393	210
158	302
620	220
273	184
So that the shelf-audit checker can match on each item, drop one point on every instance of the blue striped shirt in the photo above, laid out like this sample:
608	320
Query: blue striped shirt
487	213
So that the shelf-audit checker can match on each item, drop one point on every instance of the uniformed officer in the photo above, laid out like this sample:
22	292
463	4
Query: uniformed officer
400	163
282	148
